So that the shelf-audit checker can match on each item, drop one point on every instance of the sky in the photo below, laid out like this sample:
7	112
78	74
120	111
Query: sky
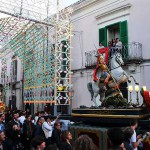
69	2
64	2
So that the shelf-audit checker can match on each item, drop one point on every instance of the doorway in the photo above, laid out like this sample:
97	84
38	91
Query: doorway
113	32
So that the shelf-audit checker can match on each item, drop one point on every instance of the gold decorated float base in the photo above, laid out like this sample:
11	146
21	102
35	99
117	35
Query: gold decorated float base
109	116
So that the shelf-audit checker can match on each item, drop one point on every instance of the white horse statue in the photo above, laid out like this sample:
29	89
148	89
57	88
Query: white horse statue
118	75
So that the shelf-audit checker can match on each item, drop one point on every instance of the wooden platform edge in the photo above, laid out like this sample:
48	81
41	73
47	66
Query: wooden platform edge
110	116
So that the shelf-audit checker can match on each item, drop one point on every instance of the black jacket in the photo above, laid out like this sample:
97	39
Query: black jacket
56	136
28	129
38	131
12	133
65	146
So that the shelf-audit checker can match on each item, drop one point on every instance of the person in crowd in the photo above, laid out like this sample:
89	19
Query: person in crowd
109	44
113	42
101	46
2	125
50	122
56	133
13	131
37	115
2	116
28	128
112	48
65	141
42	113
146	143
45	113
47	128
118	45
115	137
84	142
8	117
2	139
38	127
135	140
38	143
128	132
22	117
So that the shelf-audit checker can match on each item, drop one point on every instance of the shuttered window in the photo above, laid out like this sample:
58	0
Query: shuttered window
103	36
123	32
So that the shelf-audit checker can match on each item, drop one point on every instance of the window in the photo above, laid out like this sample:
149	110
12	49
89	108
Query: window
14	68
117	30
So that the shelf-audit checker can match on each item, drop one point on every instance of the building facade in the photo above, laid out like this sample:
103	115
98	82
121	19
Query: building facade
93	21
97	21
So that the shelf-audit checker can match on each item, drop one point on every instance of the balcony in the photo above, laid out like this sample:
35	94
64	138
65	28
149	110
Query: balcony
131	53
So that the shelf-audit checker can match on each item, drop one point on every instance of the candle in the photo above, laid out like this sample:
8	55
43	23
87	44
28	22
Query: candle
144	88
136	88
130	88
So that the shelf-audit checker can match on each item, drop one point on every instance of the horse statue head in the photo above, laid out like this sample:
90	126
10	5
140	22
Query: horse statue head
116	61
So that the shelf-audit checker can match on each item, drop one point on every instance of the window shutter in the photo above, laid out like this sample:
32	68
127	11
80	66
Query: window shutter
124	32
103	36
124	38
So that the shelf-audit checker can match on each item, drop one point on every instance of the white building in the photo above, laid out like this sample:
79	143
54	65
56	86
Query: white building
11	79
97	21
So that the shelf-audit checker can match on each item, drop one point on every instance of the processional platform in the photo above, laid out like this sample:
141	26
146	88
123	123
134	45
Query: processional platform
109	116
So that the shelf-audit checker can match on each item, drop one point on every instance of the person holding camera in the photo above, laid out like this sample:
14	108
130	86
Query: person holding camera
135	140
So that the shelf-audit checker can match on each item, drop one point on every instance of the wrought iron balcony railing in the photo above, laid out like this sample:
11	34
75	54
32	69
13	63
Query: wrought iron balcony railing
131	52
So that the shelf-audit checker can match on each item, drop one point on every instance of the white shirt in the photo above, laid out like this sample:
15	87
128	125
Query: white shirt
100	47
47	128
21	119
35	120
133	139
119	45
52	123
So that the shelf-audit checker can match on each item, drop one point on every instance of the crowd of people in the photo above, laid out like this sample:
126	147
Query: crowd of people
115	45
127	138
21	131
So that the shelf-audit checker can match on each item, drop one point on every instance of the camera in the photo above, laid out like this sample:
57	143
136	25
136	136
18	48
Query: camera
144	135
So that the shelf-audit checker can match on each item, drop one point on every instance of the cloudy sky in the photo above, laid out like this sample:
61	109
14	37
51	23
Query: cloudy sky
65	3
69	2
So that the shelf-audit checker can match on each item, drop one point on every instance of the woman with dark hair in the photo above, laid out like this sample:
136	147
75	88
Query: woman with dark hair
84	142
28	128
115	137
38	143
113	42
56	134
65	141
2	139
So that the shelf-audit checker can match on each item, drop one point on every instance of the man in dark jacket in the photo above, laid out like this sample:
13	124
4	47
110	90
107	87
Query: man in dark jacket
28	128
56	133
38	128
13	131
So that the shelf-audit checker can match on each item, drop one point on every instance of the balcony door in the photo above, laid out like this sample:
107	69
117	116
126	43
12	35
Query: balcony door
113	31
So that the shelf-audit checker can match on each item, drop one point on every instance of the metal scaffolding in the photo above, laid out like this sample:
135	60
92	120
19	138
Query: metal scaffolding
39	34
